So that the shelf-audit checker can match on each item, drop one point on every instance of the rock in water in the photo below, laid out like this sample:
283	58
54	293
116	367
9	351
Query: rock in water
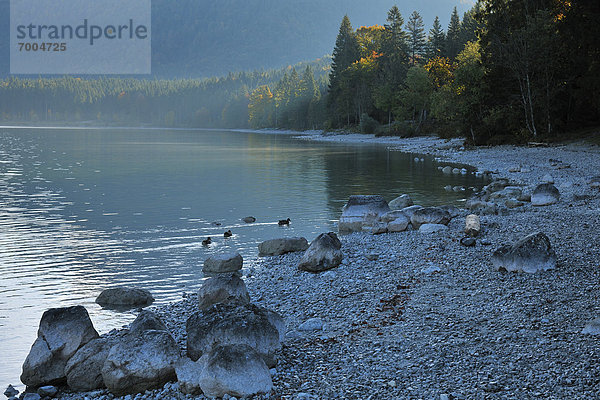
249	220
545	195
401	202
141	362
472	225
324	253
124	296
84	369
277	247
224	324
223	263
530	254
146	321
222	289
236	370
62	332
11	391
358	208
429	215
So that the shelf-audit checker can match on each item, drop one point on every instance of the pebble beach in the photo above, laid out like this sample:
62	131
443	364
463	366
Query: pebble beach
410	315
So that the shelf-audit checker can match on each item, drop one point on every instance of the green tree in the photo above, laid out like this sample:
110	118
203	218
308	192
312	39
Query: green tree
260	107
416	36
436	42
416	97
345	53
453	35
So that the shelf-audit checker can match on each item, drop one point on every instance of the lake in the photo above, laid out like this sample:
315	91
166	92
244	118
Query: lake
86	209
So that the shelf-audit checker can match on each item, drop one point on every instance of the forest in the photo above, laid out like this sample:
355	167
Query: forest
504	71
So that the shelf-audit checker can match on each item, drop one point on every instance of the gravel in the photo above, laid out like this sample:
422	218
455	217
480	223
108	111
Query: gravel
419	316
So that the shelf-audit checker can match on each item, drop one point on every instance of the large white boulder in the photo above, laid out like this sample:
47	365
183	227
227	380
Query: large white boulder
545	195
141	362
62	332
531	254
236	370
224	324
223	264
277	247
222	289
323	254
361	210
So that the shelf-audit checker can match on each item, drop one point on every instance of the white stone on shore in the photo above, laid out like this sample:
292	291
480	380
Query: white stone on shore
592	328
62	332
223	263
313	324
432	228
531	254
545	194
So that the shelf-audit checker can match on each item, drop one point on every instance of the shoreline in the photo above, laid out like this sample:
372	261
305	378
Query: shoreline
464	331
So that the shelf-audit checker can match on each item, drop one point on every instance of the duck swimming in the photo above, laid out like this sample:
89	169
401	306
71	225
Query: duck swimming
228	233
206	241
284	222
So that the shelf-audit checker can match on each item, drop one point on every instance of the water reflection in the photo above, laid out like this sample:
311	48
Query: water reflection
86	209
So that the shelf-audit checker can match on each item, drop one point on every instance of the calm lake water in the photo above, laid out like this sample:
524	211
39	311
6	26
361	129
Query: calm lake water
86	209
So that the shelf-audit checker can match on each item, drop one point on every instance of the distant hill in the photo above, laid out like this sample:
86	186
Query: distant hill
201	38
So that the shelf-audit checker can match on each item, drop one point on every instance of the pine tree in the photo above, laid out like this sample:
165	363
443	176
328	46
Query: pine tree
345	52
416	36
436	43
453	35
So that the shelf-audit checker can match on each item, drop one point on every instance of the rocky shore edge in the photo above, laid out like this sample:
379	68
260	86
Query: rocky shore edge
414	315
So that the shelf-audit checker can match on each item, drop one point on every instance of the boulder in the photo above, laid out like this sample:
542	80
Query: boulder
472	225
548	179
401	202
409	211
531	254
545	195
141	362
400	224
324	253
222	289
509	192
451	210
146	321
235	370
392	215
224	324
375	227
188	376
249	220
481	207
357	209
277	247
496	185
429	215
447	170
124	297
62	332
223	264
432	228
84	369
47	391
